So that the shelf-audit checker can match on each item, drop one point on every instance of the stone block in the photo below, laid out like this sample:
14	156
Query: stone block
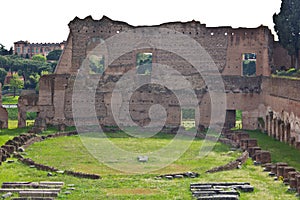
286	171
252	151
293	183
263	157
280	171
297	177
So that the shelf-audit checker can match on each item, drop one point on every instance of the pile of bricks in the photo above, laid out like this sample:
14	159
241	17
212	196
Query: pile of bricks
31	190
219	191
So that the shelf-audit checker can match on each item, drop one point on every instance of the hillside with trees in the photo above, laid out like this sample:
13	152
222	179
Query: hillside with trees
29	70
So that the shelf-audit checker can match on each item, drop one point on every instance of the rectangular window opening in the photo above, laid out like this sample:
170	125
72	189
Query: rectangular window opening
249	64
96	64
144	63
188	118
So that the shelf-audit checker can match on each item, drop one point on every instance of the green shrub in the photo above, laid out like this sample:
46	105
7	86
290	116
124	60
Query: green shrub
12	113
31	115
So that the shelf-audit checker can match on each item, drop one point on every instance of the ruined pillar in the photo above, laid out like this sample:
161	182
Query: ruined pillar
270	124
267	124
287	134
277	122
281	128
274	122
21	117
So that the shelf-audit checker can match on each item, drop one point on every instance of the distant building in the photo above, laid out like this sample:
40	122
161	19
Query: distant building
27	49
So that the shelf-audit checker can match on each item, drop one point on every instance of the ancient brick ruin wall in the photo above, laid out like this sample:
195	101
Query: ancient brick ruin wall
282	117
26	103
253	95
224	44
3	113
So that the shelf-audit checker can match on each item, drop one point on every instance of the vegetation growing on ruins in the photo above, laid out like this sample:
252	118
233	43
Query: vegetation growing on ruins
291	73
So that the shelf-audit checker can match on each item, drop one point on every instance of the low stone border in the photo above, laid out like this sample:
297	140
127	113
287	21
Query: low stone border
231	165
14	144
19	143
280	171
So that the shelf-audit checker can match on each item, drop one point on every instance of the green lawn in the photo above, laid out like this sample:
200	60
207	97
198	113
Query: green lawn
281	152
68	153
10	100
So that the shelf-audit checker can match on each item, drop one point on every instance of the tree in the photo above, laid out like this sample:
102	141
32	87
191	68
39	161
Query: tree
3	74
15	83
3	51
39	57
287	27
54	55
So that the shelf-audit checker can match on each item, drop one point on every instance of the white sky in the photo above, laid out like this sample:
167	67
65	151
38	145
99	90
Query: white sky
47	21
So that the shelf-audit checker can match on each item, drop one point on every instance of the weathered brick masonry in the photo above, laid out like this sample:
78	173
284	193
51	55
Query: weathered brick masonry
275	101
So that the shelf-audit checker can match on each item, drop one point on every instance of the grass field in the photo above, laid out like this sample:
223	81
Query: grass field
280	152
9	100
68	153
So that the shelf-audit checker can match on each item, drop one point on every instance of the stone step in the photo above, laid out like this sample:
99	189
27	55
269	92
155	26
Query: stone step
203	193
219	197
37	194
199	193
15	190
51	183
218	184
32	184
19	184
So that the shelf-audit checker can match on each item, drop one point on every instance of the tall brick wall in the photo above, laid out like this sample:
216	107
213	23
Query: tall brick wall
255	96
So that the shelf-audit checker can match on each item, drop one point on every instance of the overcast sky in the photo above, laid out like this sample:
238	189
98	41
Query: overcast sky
47	21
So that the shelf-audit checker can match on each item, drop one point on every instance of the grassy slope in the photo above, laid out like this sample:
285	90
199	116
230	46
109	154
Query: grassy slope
69	153
280	152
